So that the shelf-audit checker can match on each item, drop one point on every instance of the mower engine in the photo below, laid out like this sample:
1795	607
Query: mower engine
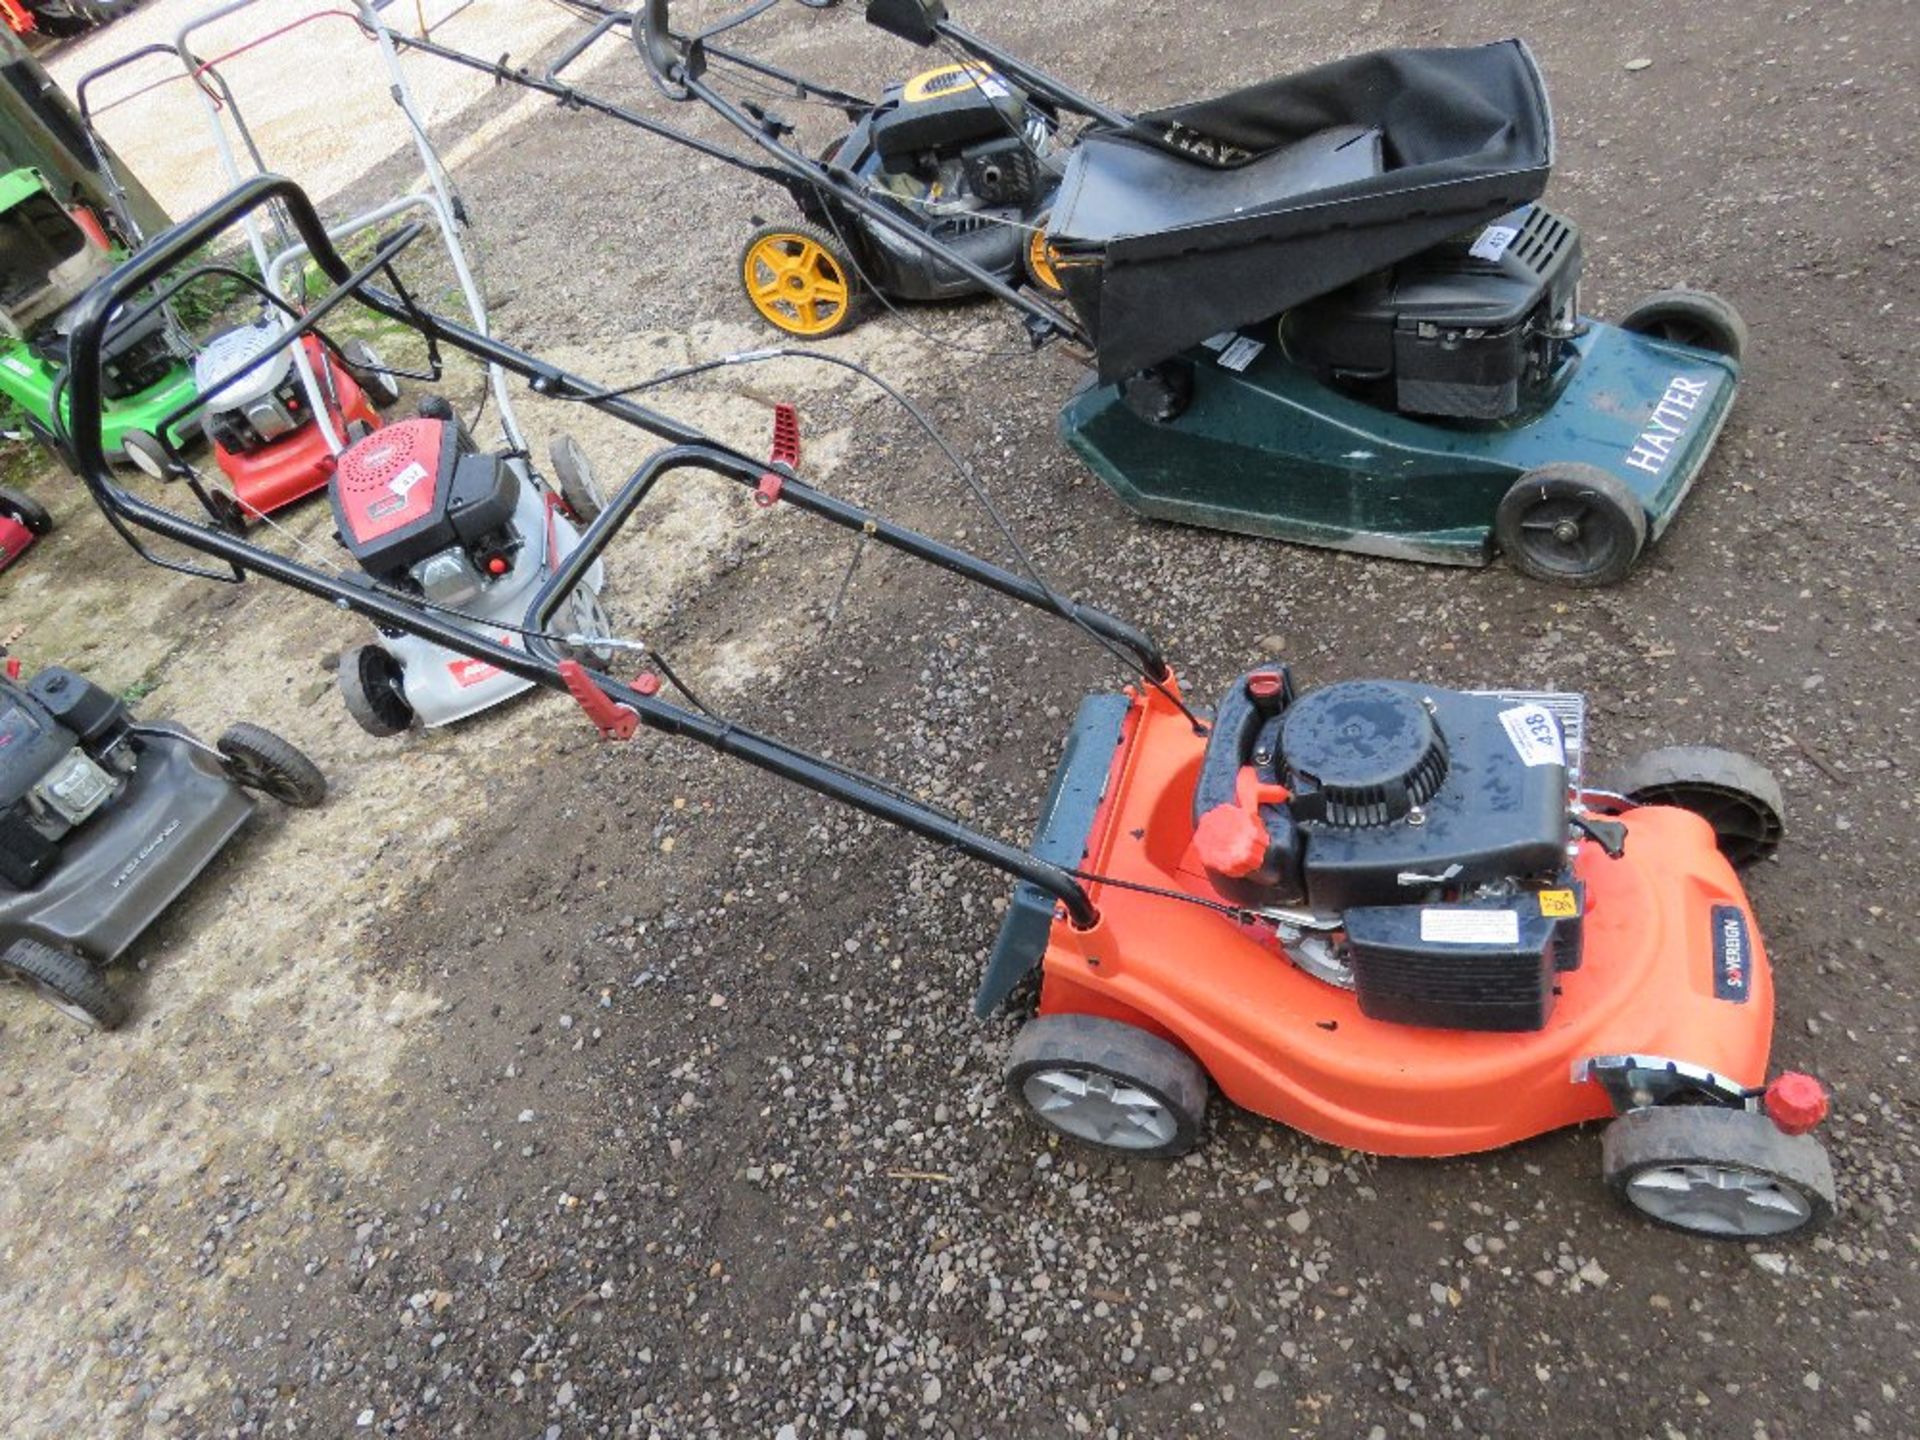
1470	330
262	405
423	508
961	138
133	359
61	763
1412	844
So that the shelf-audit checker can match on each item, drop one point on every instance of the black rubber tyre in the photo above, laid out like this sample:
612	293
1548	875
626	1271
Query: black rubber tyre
1736	795
1725	1174
22	507
368	371
147	455
373	685
228	513
261	760
575	478
1110	1085
815	292
1689	317
68	983
1571	524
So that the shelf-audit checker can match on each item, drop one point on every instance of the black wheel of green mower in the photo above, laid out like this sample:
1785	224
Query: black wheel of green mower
1736	795
1109	1084
261	760
1571	524
367	370
374	688
22	508
1689	317
67	982
574	475
1722	1173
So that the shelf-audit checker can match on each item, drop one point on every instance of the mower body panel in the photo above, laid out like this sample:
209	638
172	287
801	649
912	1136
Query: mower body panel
1269	450
15	540
1661	974
444	686
120	870
294	466
29	382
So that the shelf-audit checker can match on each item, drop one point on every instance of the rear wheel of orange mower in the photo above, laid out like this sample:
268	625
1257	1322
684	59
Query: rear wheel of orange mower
799	279
1038	258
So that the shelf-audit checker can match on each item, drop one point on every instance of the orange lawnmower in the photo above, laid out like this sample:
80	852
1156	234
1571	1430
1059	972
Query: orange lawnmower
1393	916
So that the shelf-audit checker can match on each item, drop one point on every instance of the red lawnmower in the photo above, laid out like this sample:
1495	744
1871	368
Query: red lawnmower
278	431
1394	916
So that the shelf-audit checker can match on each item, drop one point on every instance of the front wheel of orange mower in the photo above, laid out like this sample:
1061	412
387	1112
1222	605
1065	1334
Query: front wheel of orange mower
799	279
1109	1084
1726	1174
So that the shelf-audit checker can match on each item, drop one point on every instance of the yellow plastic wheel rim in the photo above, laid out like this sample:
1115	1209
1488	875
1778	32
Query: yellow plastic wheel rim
1040	262
796	284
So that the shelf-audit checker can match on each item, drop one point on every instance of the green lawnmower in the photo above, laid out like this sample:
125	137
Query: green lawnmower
49	257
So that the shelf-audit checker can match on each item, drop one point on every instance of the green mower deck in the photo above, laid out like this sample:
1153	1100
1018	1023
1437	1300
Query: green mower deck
1268	450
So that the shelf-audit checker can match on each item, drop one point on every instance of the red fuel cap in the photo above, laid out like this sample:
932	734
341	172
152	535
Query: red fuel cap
1797	1102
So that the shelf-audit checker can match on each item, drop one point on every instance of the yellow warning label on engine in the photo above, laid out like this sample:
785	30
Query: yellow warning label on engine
1557	904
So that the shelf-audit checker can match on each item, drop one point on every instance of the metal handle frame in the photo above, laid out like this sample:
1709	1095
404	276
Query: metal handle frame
540	662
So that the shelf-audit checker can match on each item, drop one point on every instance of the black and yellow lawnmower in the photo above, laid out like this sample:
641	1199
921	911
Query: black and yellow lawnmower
962	155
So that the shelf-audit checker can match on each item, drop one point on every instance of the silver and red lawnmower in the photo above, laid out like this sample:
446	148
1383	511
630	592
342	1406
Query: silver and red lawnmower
464	523
105	820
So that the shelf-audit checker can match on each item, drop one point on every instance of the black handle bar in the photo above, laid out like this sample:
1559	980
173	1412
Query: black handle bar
539	663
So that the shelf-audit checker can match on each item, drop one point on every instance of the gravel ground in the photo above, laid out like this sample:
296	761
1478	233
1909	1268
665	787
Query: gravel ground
684	1127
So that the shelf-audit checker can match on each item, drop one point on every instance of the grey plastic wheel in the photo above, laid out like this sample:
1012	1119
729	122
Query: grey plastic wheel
1109	1084
67	982
147	455
1736	795
1728	1174
1571	524
369	372
374	688
574	474
261	760
1689	317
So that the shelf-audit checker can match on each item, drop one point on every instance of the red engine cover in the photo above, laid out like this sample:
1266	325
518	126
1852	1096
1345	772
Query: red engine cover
391	479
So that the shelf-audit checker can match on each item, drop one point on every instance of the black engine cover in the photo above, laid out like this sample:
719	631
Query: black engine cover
1461	330
1494	816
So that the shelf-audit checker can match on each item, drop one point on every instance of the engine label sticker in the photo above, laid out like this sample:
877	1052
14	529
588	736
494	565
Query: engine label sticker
1535	735
1559	904
1470	927
1493	242
1732	955
1240	354
1670	420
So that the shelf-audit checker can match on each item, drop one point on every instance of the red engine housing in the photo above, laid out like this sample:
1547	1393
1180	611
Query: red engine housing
416	488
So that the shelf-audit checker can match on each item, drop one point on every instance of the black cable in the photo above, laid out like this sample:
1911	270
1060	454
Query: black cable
1233	912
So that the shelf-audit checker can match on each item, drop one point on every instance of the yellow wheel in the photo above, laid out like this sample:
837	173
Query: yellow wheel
799	279
1041	261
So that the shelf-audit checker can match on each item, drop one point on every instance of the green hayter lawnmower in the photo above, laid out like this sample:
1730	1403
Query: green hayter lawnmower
1326	308
49	257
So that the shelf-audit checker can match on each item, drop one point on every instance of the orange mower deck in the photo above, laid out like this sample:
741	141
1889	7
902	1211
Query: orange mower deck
298	464
1292	1047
